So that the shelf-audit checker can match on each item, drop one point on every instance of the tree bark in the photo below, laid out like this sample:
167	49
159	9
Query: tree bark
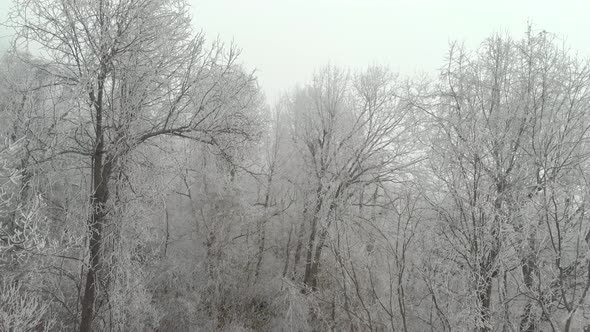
309	274
527	322
309	264
484	293
101	173
261	224
298	247
287	252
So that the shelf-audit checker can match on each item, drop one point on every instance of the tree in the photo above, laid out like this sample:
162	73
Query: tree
480	133
555	273
136	72
350	132
510	124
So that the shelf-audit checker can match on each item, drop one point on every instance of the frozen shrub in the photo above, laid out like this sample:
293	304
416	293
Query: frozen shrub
21	310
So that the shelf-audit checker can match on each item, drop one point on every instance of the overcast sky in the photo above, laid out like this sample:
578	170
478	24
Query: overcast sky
287	40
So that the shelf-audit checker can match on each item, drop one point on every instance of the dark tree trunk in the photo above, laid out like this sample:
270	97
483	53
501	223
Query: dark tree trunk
484	294
101	173
298	247
261	225
310	265
527	322
287	252
311	279
261	245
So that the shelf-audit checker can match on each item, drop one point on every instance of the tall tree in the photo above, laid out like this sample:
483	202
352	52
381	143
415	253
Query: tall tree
510	121
351	131
137	72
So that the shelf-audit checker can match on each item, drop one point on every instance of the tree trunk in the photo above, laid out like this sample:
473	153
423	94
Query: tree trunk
311	244
309	263
488	270
261	225
484	293
298	247
287	252
261	245
527	322
167	238
101	173
312	277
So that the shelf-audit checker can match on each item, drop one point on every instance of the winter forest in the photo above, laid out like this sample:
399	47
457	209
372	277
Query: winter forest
147	183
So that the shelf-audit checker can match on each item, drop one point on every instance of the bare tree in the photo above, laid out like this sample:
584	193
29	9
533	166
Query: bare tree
137	72
351	131
509	121
555	273
481	131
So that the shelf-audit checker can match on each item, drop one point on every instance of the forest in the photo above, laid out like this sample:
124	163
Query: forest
147	184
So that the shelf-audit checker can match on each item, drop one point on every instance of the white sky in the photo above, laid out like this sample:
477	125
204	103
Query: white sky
286	40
